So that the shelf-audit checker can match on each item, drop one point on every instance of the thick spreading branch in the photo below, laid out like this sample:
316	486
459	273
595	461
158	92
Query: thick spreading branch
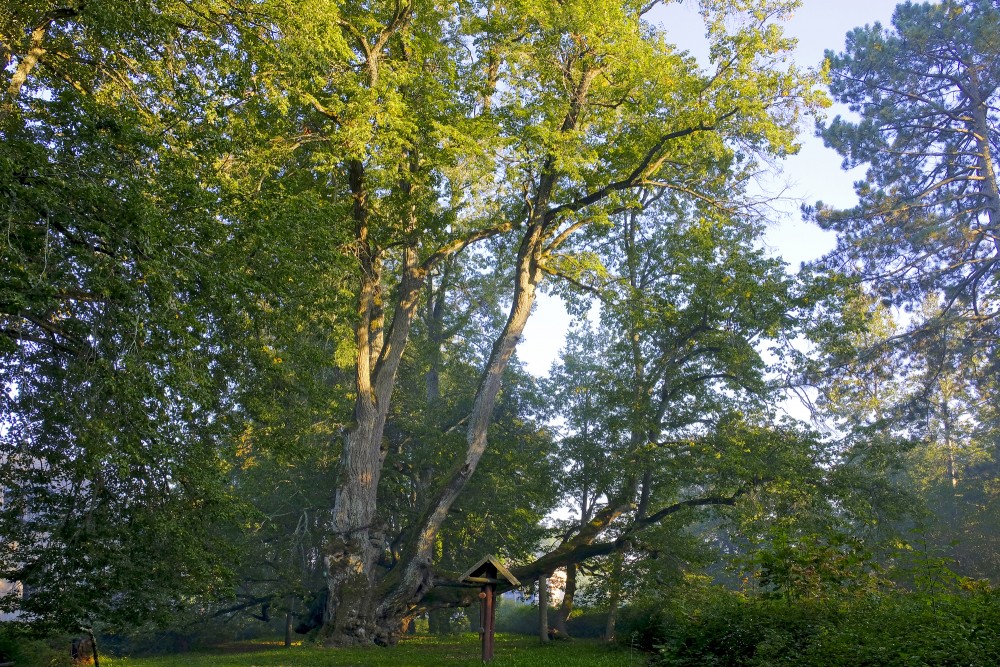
581	548
36	51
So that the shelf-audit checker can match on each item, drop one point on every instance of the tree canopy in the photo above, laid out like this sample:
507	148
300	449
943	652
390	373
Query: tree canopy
266	267
925	95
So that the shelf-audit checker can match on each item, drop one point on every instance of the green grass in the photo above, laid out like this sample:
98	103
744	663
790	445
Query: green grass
454	651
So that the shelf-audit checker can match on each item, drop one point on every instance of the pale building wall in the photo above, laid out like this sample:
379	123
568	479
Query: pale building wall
7	588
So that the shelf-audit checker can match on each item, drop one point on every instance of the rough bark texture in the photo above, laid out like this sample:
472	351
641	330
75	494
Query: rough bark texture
566	606
355	543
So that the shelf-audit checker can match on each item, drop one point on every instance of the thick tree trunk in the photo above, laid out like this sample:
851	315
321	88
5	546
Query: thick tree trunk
360	608
566	606
355	542
400	592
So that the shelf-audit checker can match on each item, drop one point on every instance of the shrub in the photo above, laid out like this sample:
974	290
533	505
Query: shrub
729	630
644	624
587	624
26	652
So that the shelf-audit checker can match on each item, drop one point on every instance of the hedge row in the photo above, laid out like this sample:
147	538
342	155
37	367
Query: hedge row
906	630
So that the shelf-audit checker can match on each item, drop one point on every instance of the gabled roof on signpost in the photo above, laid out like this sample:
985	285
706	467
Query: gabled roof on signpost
484	567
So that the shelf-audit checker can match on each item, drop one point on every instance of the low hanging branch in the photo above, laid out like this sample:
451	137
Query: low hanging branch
449	592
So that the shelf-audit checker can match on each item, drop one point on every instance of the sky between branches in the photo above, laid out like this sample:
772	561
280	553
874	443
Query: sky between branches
814	174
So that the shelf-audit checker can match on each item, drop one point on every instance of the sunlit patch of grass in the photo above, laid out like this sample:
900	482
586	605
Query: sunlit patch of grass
454	651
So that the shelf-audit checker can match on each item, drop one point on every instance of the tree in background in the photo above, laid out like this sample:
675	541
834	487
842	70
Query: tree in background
927	218
115	402
669	403
924	240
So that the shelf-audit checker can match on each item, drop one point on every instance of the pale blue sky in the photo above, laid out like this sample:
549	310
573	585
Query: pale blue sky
811	175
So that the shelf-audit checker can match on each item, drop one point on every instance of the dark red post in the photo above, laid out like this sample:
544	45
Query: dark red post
487	619
488	573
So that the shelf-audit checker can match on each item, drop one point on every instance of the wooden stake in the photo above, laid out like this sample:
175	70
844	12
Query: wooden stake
487	619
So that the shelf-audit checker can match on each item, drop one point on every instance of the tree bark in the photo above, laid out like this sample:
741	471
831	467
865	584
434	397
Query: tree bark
93	646
29	60
985	160
616	592
566	606
355	543
360	609
400	592
543	608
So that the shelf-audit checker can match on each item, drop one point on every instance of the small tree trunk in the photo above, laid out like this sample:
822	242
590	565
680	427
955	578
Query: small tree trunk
93	646
616	591
288	626
543	608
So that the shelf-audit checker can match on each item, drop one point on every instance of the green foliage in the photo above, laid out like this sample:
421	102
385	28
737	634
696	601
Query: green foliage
30	652
137	318
727	629
917	383
212	208
929	199
816	567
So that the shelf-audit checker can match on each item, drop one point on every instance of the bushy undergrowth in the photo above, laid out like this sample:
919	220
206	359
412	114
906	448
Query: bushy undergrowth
25	649
729	630
27	652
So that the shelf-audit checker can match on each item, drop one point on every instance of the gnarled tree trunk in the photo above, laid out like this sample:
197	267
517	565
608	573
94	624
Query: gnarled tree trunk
566	606
401	591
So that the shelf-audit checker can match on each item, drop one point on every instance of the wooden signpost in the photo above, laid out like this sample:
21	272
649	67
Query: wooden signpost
489	572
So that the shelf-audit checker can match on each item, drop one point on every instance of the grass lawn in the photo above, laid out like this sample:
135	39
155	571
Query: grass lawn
455	651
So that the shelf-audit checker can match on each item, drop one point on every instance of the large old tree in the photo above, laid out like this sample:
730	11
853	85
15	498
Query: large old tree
121	299
436	128
206	200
